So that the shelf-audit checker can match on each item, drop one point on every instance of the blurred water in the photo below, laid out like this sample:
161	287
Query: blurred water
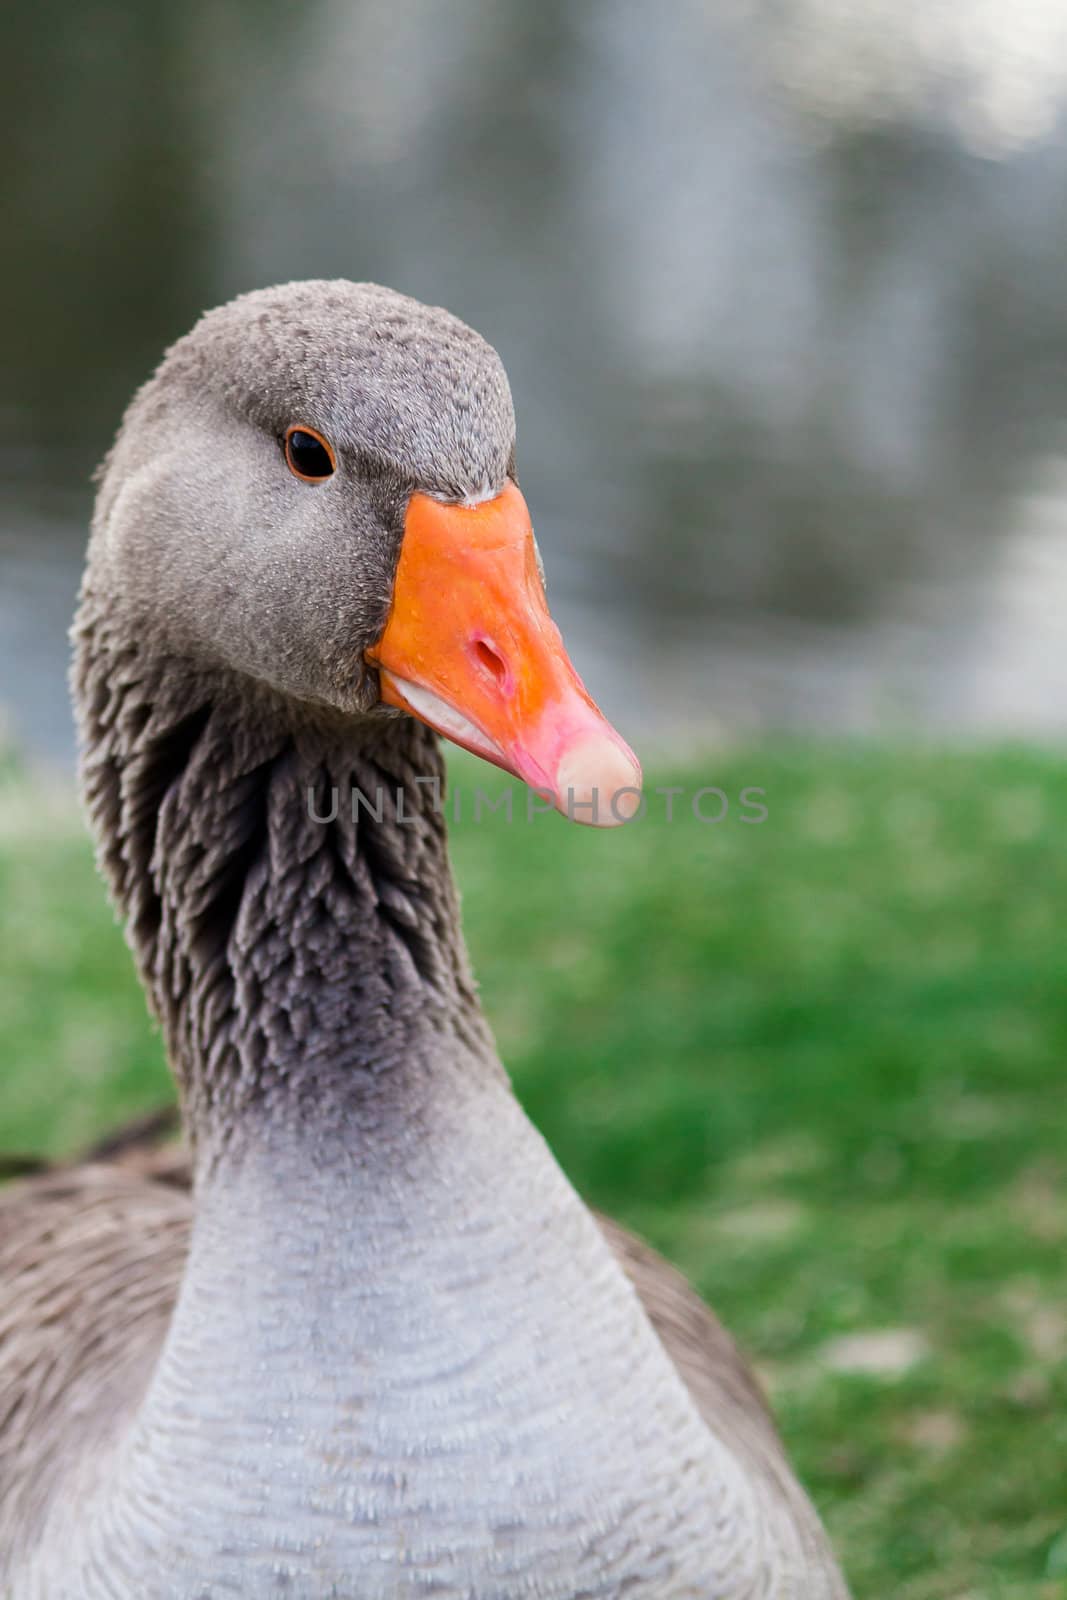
779	287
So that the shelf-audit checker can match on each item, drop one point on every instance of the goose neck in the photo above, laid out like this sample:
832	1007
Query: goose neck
287	895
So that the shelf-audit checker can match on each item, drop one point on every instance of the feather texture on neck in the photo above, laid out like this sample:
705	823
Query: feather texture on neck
284	880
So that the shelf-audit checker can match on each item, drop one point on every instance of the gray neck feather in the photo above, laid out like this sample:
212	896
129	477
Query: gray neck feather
403	1359
285	886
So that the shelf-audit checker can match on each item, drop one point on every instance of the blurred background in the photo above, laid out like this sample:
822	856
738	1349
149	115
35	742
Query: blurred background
778	285
780	288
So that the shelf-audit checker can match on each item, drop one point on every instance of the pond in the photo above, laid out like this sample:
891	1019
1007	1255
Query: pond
780	292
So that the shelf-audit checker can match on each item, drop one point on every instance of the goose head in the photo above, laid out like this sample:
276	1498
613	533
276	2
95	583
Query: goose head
316	490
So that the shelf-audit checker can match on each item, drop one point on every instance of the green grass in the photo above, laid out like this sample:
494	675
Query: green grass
818	1061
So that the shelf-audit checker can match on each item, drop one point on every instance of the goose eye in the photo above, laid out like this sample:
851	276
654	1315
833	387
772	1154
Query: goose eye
308	455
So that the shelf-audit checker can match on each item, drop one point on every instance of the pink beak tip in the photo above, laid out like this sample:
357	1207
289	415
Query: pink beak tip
598	781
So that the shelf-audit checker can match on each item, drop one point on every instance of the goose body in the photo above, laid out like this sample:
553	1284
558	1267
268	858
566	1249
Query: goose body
376	1346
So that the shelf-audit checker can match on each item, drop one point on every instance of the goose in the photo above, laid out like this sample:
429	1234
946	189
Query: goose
378	1346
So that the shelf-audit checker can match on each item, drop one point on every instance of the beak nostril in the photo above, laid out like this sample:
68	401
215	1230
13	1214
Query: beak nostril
492	661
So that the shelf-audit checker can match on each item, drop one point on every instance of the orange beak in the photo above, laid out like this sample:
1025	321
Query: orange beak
471	649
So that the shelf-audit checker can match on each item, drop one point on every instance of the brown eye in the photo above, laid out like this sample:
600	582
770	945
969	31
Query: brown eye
308	455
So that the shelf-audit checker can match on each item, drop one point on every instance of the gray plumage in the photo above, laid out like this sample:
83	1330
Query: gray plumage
378	1347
